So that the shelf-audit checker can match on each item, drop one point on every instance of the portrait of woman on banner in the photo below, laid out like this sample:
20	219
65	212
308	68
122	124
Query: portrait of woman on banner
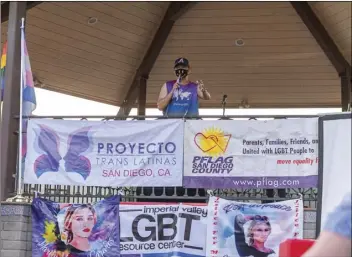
253	229
75	230
257	234
76	227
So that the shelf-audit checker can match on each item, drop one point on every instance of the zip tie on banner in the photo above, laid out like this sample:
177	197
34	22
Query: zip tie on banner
300	196
210	192
120	191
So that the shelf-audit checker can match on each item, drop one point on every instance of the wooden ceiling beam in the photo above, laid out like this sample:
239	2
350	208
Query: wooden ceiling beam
174	12
321	35
327	44
5	9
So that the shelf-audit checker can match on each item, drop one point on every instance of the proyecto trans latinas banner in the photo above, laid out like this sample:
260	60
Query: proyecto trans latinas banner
105	153
163	230
251	154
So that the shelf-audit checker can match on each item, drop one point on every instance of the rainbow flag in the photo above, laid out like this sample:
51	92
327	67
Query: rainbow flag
2	70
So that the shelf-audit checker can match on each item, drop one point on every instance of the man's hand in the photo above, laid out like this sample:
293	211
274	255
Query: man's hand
175	86
200	85
202	92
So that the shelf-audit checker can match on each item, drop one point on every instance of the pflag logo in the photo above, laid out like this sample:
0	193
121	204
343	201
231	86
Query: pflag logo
212	141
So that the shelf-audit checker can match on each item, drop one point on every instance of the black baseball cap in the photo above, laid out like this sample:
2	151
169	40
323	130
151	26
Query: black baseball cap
181	62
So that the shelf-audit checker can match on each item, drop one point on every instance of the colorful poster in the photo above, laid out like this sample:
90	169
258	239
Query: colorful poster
105	153
75	230
238	229
251	154
163	230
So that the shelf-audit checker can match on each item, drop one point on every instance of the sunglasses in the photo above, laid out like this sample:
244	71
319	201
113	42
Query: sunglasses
260	218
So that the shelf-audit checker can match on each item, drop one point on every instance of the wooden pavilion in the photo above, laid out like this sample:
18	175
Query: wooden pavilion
271	54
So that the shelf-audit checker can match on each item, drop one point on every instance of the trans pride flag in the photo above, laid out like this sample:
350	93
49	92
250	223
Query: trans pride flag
29	101
27	85
28	94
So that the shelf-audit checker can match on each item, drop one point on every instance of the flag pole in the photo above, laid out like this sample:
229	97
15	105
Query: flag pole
19	177
1	104
1	78
19	192
1	183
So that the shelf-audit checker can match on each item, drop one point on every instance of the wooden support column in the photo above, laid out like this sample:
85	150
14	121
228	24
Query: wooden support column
174	12
142	96
327	44
5	7
11	103
346	90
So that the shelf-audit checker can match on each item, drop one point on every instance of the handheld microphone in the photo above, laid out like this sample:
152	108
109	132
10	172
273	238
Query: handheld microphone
179	79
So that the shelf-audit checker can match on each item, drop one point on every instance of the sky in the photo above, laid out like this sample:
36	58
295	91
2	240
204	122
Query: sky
50	103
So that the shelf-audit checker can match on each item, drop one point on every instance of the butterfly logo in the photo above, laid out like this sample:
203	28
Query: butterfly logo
48	142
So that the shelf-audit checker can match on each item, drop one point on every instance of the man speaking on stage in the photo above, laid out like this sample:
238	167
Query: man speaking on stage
179	98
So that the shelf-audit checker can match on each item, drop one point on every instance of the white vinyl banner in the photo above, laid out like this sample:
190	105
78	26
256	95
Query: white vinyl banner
336	173
104	153
238	229
163	230
251	154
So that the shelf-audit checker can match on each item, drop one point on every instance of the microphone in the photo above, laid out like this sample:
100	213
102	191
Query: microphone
179	79
224	99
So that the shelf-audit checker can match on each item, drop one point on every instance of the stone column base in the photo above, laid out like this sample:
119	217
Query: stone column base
16	230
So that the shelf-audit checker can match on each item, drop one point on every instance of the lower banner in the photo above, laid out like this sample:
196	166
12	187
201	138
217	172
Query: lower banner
75	230
248	229
163	230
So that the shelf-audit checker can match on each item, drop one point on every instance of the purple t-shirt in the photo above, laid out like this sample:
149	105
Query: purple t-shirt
184	101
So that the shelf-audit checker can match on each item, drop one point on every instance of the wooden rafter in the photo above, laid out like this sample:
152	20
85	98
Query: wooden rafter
329	47
5	9
175	10
321	35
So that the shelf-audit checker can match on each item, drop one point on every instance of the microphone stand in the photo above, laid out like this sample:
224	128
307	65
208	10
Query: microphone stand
224	105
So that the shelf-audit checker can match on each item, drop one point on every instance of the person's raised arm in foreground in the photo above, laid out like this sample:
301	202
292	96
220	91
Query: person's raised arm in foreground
335	239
